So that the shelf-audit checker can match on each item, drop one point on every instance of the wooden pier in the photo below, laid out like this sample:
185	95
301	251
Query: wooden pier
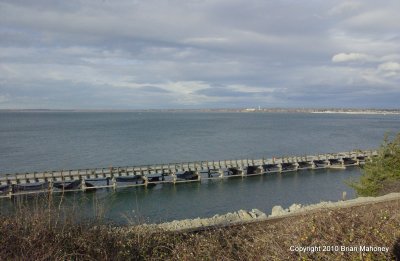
150	175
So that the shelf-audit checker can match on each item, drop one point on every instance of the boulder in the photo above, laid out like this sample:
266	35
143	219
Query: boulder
244	215
294	207
258	213
278	211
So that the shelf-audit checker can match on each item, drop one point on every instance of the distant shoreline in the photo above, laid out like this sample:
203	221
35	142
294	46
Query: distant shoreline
359	112
228	110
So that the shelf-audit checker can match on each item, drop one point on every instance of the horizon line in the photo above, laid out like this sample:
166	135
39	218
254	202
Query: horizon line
213	109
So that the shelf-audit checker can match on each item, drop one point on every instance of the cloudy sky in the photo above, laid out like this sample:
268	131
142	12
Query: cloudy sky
133	54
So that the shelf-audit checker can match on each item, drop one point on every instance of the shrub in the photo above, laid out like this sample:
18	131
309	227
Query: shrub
381	175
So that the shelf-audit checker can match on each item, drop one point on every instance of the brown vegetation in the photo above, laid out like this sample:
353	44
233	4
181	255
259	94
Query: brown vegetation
51	233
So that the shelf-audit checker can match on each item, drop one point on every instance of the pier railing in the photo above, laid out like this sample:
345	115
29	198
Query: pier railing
150	175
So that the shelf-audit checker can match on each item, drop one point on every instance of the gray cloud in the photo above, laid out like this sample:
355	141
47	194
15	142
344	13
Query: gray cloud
152	89
198	53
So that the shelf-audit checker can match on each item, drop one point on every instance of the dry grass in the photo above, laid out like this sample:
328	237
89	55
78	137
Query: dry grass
52	233
373	225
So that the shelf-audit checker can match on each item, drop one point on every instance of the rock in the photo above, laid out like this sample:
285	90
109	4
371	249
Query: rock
252	214
294	207
244	215
277	211
219	219
258	213
231	216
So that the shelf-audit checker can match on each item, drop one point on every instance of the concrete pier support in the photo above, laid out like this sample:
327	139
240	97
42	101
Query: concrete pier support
50	186
328	164
83	185
313	166
10	191
145	181
221	173
342	163
114	183
296	166
173	175
279	167
198	175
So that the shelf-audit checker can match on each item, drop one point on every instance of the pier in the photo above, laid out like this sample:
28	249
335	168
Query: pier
172	173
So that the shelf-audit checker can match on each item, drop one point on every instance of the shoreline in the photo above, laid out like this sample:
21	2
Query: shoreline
241	216
358	112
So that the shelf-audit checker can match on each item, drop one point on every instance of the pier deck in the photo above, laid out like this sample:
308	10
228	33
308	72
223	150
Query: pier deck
149	175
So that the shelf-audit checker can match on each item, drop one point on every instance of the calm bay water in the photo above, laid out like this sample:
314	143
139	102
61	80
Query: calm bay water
69	140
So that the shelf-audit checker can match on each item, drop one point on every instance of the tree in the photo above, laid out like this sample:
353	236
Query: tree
381	175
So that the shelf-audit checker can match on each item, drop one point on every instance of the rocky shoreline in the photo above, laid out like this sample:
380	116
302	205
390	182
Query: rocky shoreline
255	215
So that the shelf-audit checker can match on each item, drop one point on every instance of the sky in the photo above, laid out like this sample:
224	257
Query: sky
160	54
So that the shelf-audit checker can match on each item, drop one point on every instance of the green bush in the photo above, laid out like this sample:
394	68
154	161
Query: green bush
381	175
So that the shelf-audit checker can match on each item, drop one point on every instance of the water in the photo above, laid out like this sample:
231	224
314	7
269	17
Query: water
209	198
70	140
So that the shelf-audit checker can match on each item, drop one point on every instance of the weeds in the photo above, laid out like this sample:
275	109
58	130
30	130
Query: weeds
46	231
